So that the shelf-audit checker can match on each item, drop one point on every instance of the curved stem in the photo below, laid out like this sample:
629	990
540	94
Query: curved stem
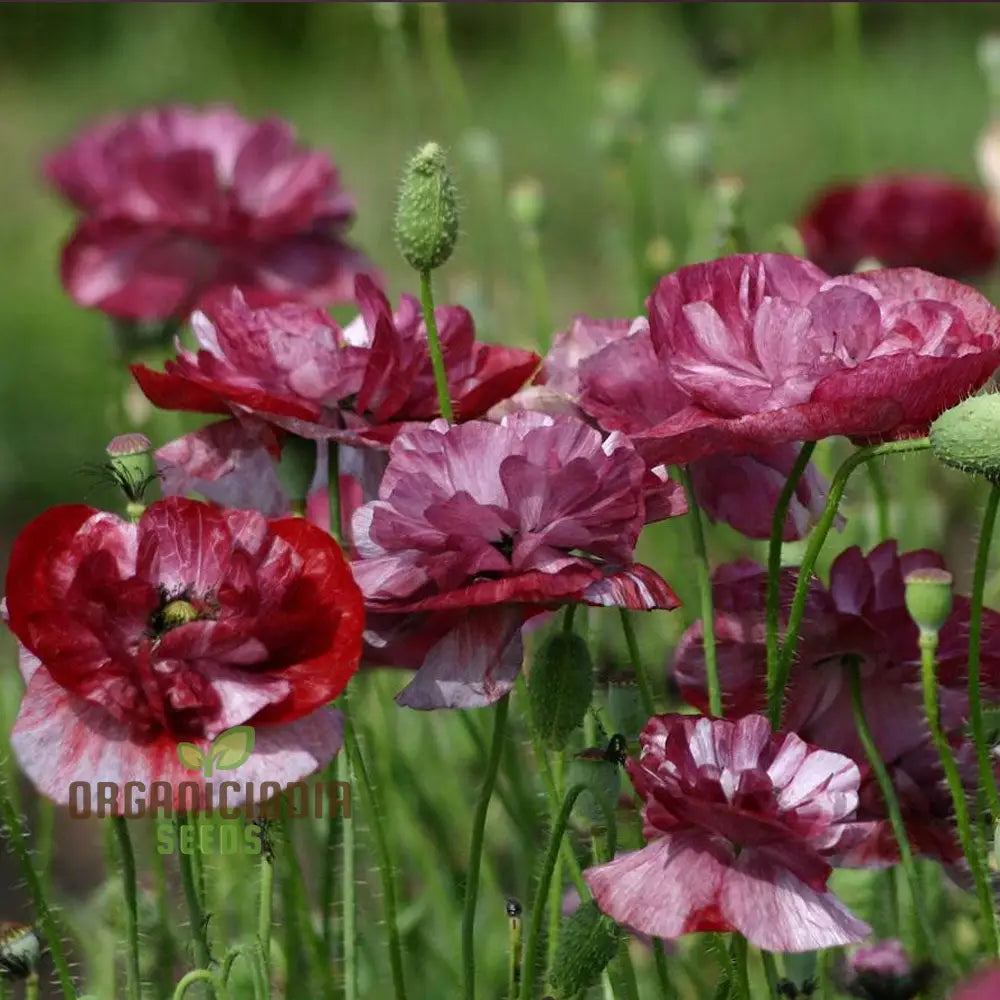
987	780
10	819
199	935
127	860
434	347
476	848
531	950
200	976
928	674
349	881
816	542
888	791
774	577
375	818
705	593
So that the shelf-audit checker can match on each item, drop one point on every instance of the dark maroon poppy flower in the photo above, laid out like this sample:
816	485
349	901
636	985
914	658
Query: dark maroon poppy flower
905	221
740	822
292	366
192	621
757	350
178	201
860	618
482	524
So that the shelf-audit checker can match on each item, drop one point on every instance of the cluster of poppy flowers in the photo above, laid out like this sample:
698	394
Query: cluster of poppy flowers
199	616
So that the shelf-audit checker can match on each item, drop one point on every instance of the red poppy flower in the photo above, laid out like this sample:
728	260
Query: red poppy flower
480	525
178	201
192	621
739	822
860	618
292	366
933	223
756	350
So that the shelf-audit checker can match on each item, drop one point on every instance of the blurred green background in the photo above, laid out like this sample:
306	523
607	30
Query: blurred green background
528	96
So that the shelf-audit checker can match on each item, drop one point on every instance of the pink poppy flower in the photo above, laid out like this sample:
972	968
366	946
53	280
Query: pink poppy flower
884	970
606	365
292	366
862	615
178	201
192	621
933	223
739	823
757	350
482	524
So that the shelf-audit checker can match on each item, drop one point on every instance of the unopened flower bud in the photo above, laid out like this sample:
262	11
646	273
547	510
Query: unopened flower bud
884	971
560	686
929	598
588	941
427	210
967	436
599	771
20	951
625	708
296	468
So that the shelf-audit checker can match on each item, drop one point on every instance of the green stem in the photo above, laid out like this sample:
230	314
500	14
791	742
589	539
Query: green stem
200	976
774	577
127	861
514	955
476	848
816	542
336	514
987	780
254	960
373	809
770	972
264	919
46	817
10	819
705	593
881	495
645	690
434	347
928	674
196	917
662	969
740	959
32	987
888	791
630	987
165	941
532	947
349	880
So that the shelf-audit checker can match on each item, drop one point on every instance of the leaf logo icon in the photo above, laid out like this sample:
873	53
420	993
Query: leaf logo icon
228	751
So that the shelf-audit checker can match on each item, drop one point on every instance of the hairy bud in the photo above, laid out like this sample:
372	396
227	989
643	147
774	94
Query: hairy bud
588	941
427	210
967	436
560	686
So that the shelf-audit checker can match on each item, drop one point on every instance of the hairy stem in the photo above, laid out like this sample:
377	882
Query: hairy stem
126	857
196	916
434	347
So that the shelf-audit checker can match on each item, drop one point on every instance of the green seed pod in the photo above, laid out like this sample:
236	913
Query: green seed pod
967	436
588	940
427	210
929	598
131	465
560	686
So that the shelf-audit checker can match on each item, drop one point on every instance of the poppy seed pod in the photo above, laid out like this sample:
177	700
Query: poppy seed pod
427	210
965	437
929	598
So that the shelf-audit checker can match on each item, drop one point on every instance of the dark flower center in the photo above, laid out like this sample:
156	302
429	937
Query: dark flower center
505	546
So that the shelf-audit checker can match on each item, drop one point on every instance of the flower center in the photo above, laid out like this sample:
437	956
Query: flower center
172	613
505	546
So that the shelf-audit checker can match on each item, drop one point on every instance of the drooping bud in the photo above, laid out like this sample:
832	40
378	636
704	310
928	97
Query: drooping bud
427	210
929	598
560	686
20	951
296	469
599	771
130	461
588	941
967	436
